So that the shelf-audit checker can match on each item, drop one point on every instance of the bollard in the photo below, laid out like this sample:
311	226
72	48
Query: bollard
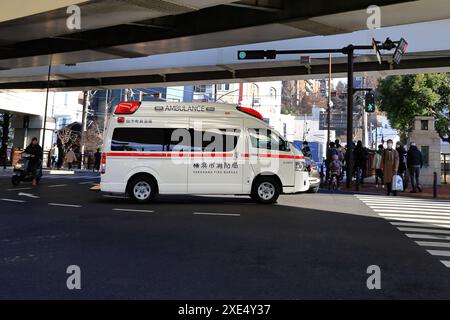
434	184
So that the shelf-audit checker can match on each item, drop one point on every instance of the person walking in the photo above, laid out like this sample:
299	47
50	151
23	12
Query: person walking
389	165
360	162
35	152
402	162
97	160
54	155
70	158
414	161
377	166
306	150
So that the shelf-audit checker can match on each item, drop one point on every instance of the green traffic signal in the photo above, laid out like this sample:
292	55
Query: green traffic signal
370	102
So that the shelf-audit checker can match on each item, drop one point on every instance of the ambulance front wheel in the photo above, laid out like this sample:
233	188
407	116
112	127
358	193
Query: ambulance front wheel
266	190
142	189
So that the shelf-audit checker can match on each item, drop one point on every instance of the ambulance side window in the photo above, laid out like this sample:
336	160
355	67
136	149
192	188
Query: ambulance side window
215	140
267	140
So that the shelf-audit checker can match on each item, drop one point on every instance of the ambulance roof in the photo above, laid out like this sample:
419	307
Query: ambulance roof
187	109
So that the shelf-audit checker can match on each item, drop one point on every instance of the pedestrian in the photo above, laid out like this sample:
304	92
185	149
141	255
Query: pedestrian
70	158
335	170
35	152
97	160
415	163
402	162
54	152
377	166
389	165
3	156
360	161
306	150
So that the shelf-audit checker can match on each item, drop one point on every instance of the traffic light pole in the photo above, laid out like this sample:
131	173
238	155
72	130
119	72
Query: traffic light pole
349	153
349	51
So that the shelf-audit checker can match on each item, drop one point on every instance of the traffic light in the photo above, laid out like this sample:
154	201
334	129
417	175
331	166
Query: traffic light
370	102
402	46
256	54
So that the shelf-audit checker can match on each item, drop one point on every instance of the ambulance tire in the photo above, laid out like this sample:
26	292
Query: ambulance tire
142	189
266	190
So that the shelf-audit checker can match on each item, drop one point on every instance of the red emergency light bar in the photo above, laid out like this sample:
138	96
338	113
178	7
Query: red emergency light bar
127	107
251	112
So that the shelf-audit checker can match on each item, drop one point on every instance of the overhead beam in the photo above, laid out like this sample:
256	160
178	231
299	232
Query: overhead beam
208	20
260	74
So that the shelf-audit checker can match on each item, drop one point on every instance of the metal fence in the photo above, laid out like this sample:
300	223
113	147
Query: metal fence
445	168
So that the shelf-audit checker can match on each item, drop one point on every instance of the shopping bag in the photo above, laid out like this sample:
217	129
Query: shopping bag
397	183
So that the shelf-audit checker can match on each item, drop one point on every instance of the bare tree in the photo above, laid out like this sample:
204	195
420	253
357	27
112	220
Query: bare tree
69	138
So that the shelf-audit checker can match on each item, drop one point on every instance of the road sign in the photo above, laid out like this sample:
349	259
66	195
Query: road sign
377	52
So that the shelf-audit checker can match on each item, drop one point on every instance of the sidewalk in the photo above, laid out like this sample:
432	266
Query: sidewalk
443	190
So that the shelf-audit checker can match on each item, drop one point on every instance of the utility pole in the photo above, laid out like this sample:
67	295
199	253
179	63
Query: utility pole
329	105
83	127
46	107
349	161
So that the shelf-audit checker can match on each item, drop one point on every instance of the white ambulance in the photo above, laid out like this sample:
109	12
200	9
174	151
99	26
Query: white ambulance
197	148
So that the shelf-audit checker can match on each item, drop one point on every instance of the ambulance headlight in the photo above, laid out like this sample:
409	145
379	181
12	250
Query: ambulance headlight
300	166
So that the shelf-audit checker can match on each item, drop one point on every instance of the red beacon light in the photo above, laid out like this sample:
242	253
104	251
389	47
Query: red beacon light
251	112
127	107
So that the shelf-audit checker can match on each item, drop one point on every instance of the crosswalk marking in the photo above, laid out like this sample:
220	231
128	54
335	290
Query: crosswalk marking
439	253
446	263
426	222
425	230
433	244
427	236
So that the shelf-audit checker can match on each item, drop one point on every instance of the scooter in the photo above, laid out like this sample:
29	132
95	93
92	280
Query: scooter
21	172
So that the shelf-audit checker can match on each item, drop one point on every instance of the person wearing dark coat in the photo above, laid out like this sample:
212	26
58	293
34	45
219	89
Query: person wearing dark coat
360	161
414	161
35	152
402	162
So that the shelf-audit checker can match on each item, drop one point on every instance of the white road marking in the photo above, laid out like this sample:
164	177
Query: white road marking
419	219
415	208
217	214
427	236
12	200
446	263
133	210
433	244
57	185
29	195
86	182
400	211
424	230
437	222
17	189
393	215
64	205
416	224
439	253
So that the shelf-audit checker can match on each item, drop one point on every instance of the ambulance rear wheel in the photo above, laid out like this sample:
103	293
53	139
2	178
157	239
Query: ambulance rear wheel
266	190
142	189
